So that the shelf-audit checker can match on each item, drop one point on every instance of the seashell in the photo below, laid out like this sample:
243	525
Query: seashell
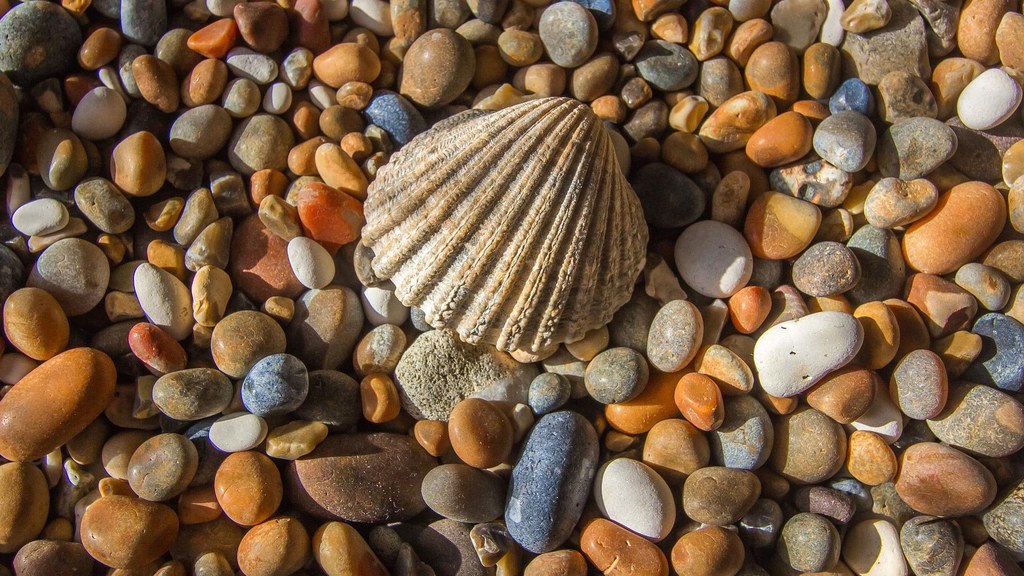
514	227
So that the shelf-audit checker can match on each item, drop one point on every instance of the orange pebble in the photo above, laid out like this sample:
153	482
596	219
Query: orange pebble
329	216
267	182
214	40
198	505
700	401
654	404
749	308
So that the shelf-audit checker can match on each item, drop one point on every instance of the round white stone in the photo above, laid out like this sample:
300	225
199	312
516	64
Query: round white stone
40	217
988	100
832	29
381	306
310	262
714	259
883	417
792	356
222	8
165	300
99	114
872	548
322	95
238	432
374	15
630	493
278	98
250	64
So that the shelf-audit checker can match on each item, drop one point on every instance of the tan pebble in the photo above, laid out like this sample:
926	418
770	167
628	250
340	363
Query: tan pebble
726	368
210	564
302	156
162	467
157	82
61	159
869	459
544	79
346	62
280	218
976	31
647	10
1008	35
958	351
944	306
940	480
732	124
85	447
671	27
198	505
168	257
279	308
557	563
913	332
211	290
949	78
783	139
128	532
699	399
35	324
749	308
881	335
341	551
99	48
836	226
138	165
480	433
863	16
340	171
654	404
687	114
773	69
710	31
490	66
835	303
709	551
295	439
336	121
520	48
243	338
379	398
845	394
24	504
1015	200
118	449
432	435
248	487
616	551
59	529
821	68
729	200
779	226
113	247
746	38
356	145
205	83
684	152
278	546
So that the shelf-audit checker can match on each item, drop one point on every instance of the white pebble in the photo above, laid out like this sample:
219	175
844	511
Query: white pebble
250	64
988	100
222	8
109	77
278	98
632	494
238	432
39	217
831	29
374	15
381	306
310	262
792	356
99	114
883	417
14	367
241	98
872	548
714	259
322	95
297	68
165	300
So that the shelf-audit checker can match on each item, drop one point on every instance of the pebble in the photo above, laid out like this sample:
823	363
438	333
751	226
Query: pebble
705	501
902	47
914	147
248	488
808	542
614	549
380	350
833	504
815	181
1002	338
944	306
123	531
200	132
919	384
872	547
633	495
340	550
904	95
55	402
670	199
260	142
749	308
980	420
40	40
761	525
165	300
463	493
616	375
653	405
61	159
773	69
708	551
800	459
666	66
381	306
731	125
843	395
746	436
870	460
24	505
481	435
295	439
1001	519
365	477
940	242
779	226
551	481
310	262
988	100
275	385
438	370
138	165
277	546
826	269
713	259
883	269
438	68
548	392
43	557
792	356
100	114
104	205
333	399
156	349
846	139
700	401
193	394
939	480
931	546
242	339
893	202
324	328
395	115
35	324
569	33
783	139
675	448
853	95
162	467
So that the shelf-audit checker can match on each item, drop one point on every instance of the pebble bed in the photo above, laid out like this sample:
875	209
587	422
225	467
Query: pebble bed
819	371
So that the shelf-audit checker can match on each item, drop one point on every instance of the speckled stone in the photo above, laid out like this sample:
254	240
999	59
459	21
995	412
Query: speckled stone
913	147
852	95
809	543
260	142
569	33
73	271
939	480
437	68
919	384
143	21
893	202
1002	520
932	546
551	481
275	385
1002	347
9	113
395	115
833	504
902	46
548	392
814	180
616	375
980	420
846	139
666	66
162	467
324	327
706	502
242	339
826	269
809	446
193	394
38	40
52	557
746	436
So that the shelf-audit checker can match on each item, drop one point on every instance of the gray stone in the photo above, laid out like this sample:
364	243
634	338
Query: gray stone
104	205
200	132
143	21
746	436
883	270
332	398
914	147
846	139
616	375
981	420
1002	347
667	66
276	385
900	45
809	543
569	33
932	546
444	546
464	493
325	327
38	40
1003	519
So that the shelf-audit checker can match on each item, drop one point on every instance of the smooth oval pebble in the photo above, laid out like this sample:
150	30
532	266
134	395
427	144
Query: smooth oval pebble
193	394
709	551
809	543
311	263
893	202
706	500
464	493
128	532
965	221
845	139
675	336
242	339
746	436
988	100
100	114
919	384
277	546
616	375
630	493
248	487
939	480
73	271
238	432
612	548
35	324
792	356
24	505
932	546
809	446
277	384
713	259
162	467
341	551
40	217
165	300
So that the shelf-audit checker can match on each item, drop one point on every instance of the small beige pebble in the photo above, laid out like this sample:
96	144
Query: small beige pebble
295	439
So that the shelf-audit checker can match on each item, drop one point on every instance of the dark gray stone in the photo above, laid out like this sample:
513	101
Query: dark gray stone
760	526
666	65
670	199
914	147
463	493
548	392
445	546
12	272
333	399
809	543
143	21
1002	347
551	481
616	375
1003	519
883	270
38	40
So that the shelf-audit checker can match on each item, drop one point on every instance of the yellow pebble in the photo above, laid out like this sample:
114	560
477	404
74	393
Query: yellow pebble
295	439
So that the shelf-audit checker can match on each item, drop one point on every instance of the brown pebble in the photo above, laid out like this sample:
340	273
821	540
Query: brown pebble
784	139
732	124
845	394
675	448
379	397
205	83
939	480
438	67
198	505
773	69
432	435
958	351
557	563
242	339
700	401
654	404
944	306
976	31
710	551
480	433
278	546
157	82
618	552
162	467
138	165
99	48
346	62
748	308
869	459
248	487
779	226
913	333
821	68
128	532
881	335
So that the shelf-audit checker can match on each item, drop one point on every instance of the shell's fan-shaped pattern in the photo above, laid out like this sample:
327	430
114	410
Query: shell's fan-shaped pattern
514	227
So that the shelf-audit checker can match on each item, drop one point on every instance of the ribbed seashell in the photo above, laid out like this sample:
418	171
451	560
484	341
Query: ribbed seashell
514	227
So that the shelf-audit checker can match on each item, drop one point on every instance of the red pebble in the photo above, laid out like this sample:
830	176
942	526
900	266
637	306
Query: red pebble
156	349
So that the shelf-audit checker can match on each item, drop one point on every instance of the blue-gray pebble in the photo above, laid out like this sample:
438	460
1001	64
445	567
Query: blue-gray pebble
143	21
1002	347
276	385
333	399
670	199
395	115
667	66
602	10
746	436
38	40
548	392
550	483
852	94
